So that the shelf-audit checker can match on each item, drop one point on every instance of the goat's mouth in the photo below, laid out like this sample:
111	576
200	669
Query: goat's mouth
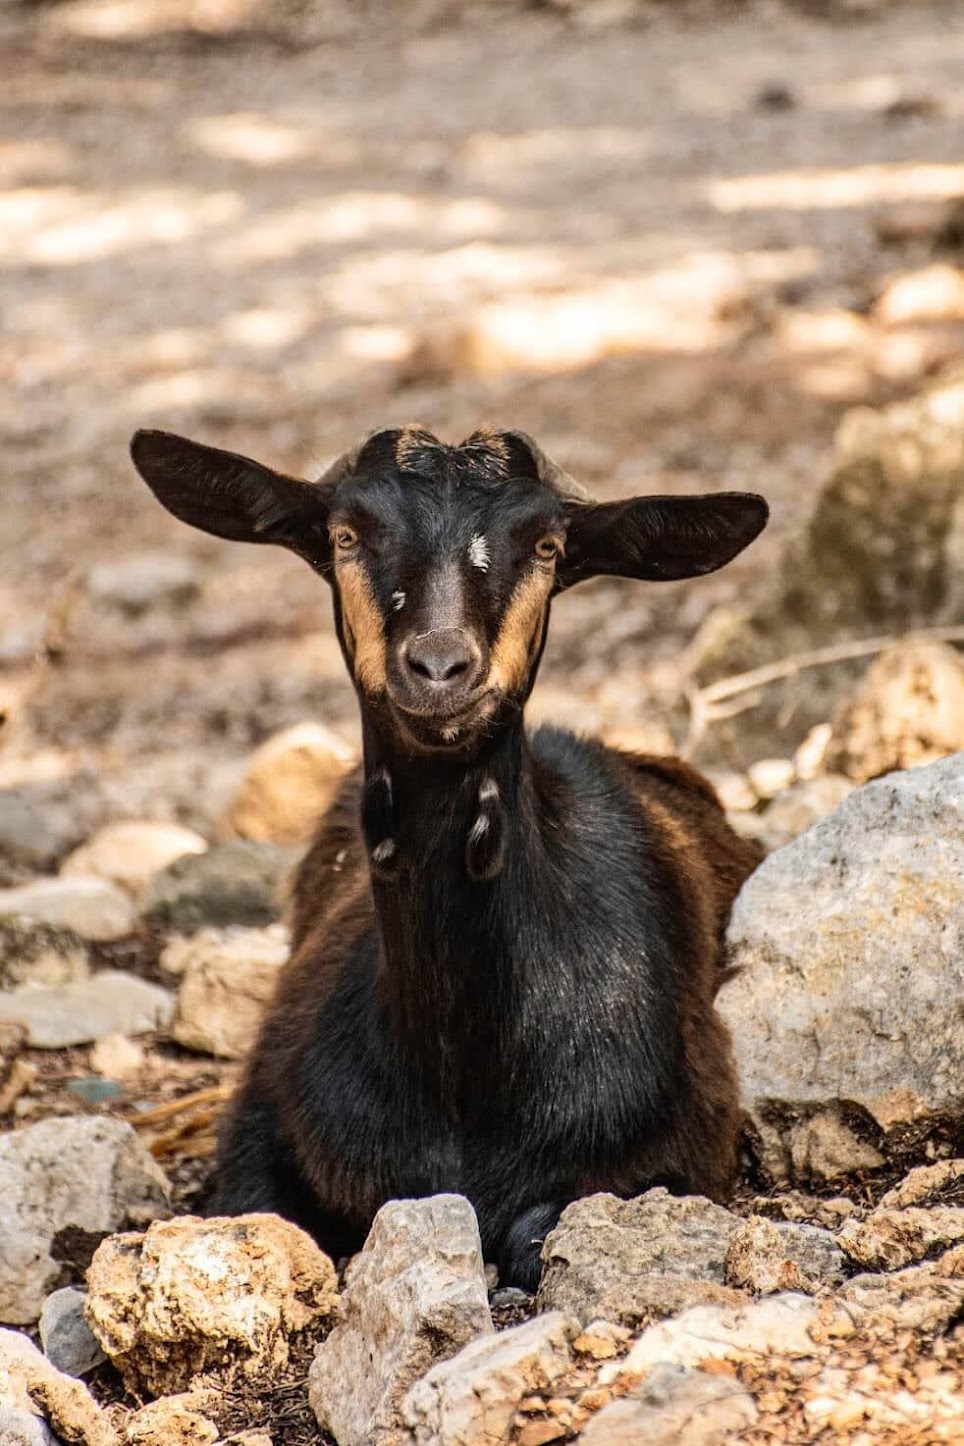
447	727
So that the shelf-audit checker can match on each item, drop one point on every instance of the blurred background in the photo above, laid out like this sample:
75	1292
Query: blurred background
687	246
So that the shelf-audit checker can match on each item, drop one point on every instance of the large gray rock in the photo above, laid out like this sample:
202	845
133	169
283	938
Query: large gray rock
472	1399
415	1295
675	1406
89	1173
850	949
111	1002
233	883
625	1260
90	908
880	555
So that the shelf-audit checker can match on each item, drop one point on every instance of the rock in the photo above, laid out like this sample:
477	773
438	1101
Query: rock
37	954
848	945
116	1057
799	807
128	854
472	1398
91	1174
144	580
893	493
110	1002
675	1407
30	836
21	1428
229	977
171	1421
920	1298
776	1325
90	908
66	1337
770	776
625	1260
828	1212
934	293
766	1257
825	1146
191	1296
413	1296
233	883
908	709
71	1409
291	780
734	790
890	1239
18	1358
928	1185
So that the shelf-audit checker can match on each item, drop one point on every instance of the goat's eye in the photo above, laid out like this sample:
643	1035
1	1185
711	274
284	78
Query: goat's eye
345	538
547	548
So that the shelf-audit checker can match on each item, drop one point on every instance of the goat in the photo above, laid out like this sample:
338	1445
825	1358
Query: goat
505	947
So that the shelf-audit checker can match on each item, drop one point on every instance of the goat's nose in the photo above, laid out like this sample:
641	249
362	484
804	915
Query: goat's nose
445	655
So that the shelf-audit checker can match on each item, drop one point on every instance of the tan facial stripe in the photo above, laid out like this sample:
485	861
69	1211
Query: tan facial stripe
520	630
364	629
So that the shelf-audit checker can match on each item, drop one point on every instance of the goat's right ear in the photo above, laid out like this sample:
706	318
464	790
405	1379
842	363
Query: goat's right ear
231	496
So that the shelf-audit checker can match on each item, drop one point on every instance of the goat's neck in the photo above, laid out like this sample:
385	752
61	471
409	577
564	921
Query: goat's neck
449	840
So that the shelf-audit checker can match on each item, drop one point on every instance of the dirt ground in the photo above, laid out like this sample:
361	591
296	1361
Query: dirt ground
654	244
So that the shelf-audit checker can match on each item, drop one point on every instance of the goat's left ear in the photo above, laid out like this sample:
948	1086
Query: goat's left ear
658	538
231	496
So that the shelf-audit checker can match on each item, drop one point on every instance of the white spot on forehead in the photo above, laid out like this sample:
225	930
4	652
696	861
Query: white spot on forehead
479	553
398	601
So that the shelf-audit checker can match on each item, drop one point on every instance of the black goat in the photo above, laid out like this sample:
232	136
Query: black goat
506	947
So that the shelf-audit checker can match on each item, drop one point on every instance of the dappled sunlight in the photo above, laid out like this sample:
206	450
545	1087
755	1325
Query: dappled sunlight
817	189
68	227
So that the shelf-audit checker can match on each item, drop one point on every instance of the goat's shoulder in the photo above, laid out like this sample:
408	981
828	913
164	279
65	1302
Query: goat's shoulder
331	876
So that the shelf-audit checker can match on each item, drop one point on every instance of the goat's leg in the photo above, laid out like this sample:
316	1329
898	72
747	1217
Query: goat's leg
519	1254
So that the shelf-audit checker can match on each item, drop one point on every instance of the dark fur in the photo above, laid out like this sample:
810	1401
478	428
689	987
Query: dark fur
505	952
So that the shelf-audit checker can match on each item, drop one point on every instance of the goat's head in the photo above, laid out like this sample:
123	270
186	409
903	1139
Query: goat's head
443	560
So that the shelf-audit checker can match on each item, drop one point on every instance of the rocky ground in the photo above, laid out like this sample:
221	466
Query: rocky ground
759	284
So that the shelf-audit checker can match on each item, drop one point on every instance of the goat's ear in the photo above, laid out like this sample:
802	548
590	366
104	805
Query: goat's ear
232	496
659	538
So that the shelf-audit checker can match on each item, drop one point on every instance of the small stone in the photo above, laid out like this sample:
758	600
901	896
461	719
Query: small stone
626	1260
472	1398
171	1421
537	1433
116	1057
413	1296
95	1091
128	854
927	1185
19	1357
144	580
889	1239
110	1002
770	776
809	758
90	908
766	1257
290	781
232	884
66	1337
228	978
799	807
31	836
192	1296
734	790
933	293
825	1147
37	954
88	1173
